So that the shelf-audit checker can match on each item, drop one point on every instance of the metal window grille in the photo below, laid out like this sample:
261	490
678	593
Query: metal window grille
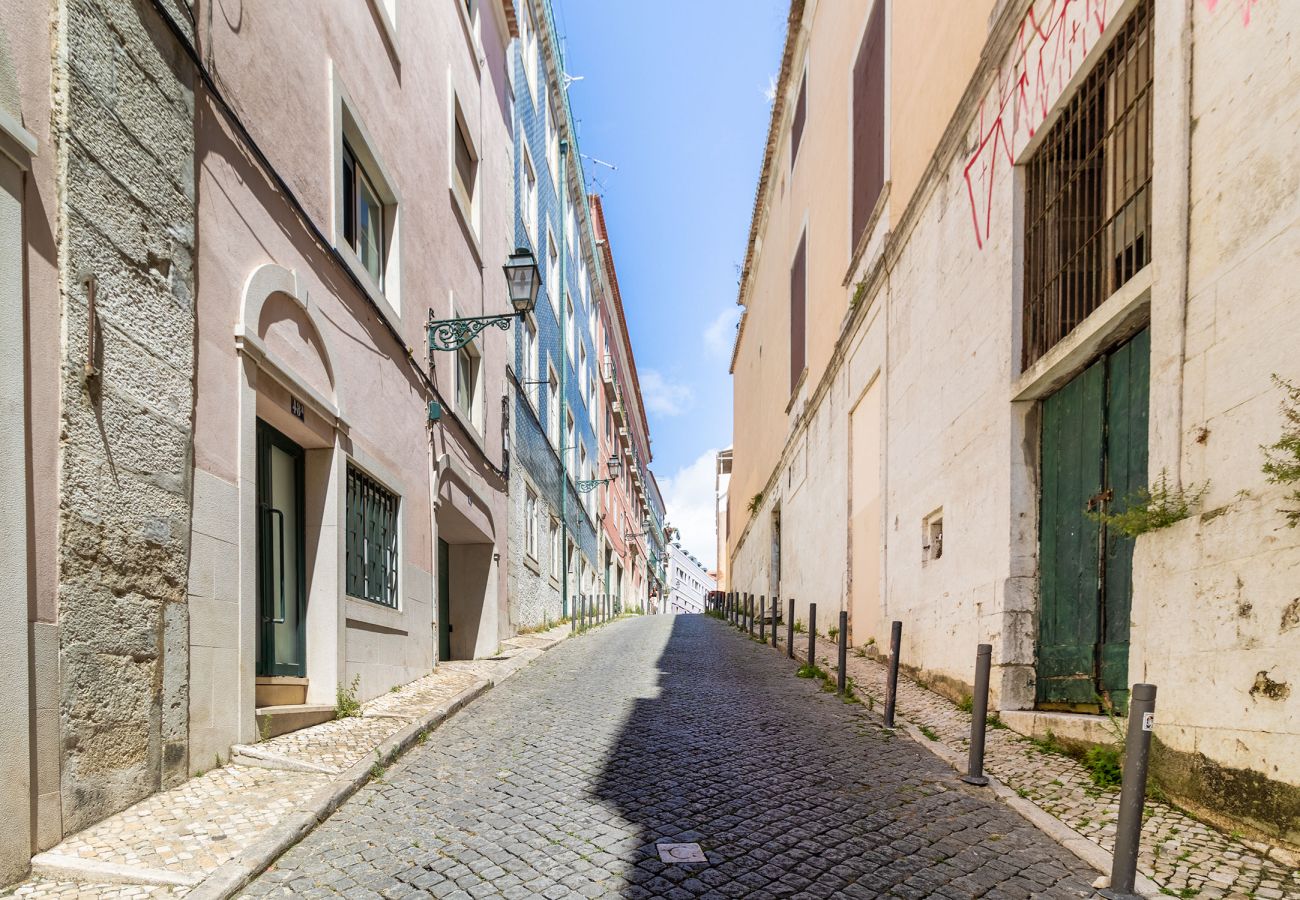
1088	192
371	540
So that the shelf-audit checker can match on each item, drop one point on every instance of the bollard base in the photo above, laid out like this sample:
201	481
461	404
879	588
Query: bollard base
1118	895
977	780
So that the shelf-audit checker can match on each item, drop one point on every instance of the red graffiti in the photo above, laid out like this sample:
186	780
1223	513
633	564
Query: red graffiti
1246	7
1051	43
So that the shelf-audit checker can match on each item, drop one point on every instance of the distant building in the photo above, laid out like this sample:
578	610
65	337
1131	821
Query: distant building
689	582
721	481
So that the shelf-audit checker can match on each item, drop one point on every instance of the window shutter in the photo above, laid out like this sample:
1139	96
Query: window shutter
798	291
868	123
800	114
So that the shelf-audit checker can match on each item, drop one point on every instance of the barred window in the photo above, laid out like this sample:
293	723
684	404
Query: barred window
371	540
1088	193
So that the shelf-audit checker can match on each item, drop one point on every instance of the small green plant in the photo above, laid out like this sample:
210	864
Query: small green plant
1102	763
1049	744
810	670
966	703
833	632
755	502
347	705
850	688
422	736
928	732
377	767
799	626
1150	509
1282	457
859	291
994	720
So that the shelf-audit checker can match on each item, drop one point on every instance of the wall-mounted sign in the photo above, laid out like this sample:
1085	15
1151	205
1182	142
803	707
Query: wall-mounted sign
295	407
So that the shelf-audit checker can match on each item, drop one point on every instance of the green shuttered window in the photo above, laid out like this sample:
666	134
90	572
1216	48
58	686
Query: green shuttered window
372	540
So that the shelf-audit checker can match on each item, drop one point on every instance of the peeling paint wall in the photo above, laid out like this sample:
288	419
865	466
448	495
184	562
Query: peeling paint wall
124	115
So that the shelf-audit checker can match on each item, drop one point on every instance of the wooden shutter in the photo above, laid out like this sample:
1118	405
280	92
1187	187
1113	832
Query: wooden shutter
798	297
800	114
868	123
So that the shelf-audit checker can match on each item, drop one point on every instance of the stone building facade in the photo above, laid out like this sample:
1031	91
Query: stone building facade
1008	267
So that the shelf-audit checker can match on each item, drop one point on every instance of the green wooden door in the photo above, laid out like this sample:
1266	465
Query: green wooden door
444	600
281	556
1094	448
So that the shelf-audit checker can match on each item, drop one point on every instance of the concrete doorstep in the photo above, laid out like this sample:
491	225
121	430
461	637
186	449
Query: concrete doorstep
1054	792
211	836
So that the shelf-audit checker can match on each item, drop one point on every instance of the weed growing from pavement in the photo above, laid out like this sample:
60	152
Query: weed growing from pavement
1102	763
928	732
966	703
799	627
809	670
377	767
994	720
347	705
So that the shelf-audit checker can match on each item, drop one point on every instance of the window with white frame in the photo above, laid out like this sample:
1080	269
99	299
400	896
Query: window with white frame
557	562
365	206
552	146
528	196
464	169
552	271
528	46
582	365
469	370
570	442
530	523
570	331
553	408
529	333
569	230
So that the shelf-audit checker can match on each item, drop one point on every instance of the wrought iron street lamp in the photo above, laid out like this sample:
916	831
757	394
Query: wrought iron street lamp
614	466
523	280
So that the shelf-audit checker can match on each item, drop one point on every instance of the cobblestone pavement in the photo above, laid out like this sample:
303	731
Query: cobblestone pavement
1185	857
662	729
173	839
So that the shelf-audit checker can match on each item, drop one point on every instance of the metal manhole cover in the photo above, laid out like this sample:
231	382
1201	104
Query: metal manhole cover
680	853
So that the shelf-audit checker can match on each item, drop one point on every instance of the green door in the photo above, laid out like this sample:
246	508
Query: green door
444	600
281	555
1094	451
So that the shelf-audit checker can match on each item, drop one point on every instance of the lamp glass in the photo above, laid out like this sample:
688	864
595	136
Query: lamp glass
523	280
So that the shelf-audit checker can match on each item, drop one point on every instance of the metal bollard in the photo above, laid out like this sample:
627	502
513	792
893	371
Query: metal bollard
1132	796
762	622
844	650
789	632
891	686
751	615
812	634
773	623
979	710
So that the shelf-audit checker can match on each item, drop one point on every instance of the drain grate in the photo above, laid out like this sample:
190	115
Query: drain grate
680	853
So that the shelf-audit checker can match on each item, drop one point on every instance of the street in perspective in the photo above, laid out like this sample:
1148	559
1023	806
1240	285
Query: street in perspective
562	448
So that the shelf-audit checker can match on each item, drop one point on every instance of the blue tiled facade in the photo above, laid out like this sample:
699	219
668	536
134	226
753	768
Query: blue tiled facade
535	464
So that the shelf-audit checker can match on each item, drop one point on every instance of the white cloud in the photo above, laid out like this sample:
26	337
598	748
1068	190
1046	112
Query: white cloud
688	496
769	92
667	398
720	334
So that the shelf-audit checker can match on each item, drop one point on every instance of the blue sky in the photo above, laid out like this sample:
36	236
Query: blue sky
675	95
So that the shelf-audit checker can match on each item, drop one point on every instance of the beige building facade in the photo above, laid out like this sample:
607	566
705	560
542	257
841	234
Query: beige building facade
1008	266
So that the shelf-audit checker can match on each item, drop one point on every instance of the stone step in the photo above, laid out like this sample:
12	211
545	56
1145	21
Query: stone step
273	721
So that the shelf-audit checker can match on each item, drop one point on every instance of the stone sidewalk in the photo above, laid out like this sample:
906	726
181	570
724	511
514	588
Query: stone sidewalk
208	836
1181	855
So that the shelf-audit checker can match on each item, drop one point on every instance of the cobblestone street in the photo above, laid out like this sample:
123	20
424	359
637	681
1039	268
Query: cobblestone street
662	729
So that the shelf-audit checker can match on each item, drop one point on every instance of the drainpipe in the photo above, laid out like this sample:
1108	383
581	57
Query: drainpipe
564	393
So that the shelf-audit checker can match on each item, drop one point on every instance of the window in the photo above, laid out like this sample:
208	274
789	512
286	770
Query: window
556	562
932	537
869	122
552	271
363	216
552	146
800	115
468	368
529	333
570	442
798	293
569	229
528	47
568	325
582	368
371	540
553	408
528	199
464	170
530	523
1088	193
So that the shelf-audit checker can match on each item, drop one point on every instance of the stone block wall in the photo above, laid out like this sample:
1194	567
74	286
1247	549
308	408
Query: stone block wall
124	115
